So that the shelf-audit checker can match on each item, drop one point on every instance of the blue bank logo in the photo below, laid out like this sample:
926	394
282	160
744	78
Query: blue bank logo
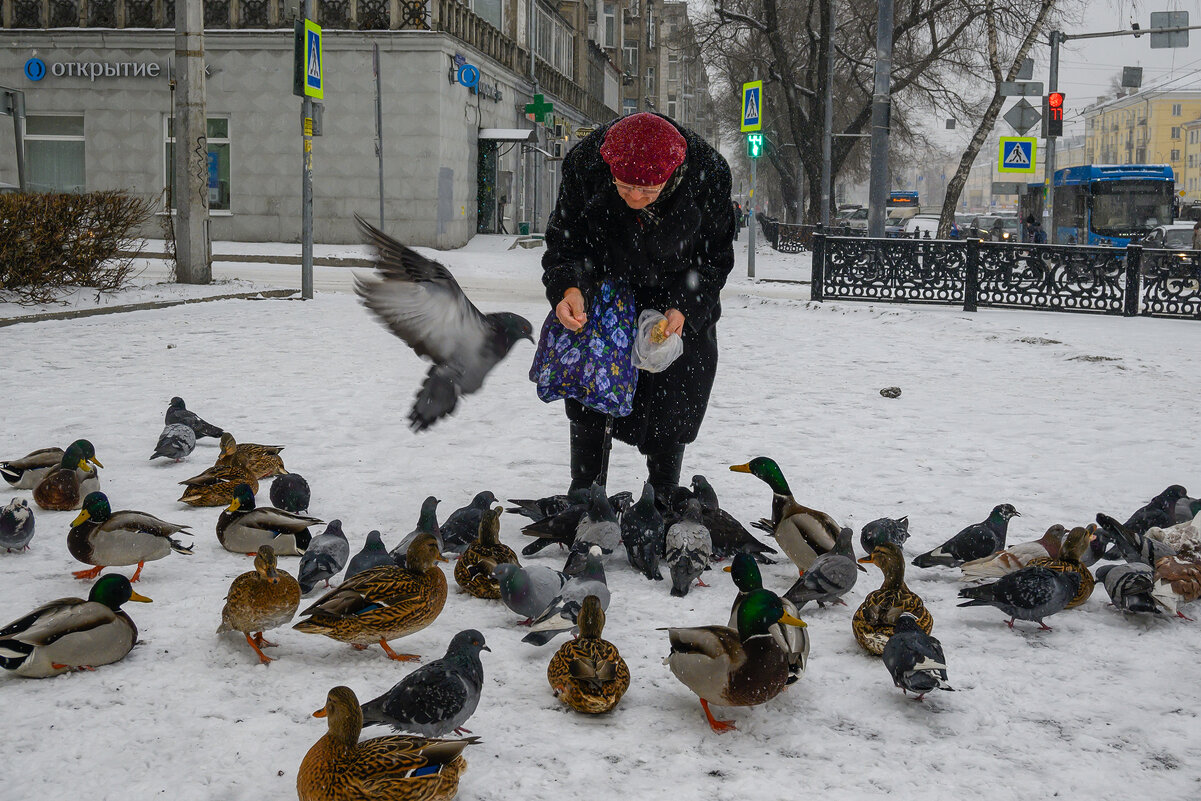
35	69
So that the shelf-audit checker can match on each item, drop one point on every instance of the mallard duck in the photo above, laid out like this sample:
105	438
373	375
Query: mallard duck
216	486
71	633
794	640
802	533
587	673
26	472
1070	553
263	461
383	603
488	552
66	486
876	618
398	767
104	538
263	599
243	527
729	667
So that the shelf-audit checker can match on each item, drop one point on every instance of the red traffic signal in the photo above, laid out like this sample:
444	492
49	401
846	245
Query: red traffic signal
1055	100
1054	114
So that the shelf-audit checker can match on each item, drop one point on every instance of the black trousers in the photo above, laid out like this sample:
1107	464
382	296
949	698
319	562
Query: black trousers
587	455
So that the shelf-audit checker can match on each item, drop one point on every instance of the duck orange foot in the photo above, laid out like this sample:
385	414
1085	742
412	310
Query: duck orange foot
461	731
719	726
263	658
262	641
88	575
398	657
137	574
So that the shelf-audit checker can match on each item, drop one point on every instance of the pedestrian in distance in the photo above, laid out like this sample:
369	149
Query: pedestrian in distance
1197	235
644	204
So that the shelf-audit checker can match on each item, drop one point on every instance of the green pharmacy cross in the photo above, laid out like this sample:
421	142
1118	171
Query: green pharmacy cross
539	108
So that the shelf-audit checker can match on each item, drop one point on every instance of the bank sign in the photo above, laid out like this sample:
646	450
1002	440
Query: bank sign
36	69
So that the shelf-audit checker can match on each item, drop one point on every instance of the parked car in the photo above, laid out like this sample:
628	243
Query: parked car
996	228
925	226
857	220
1174	236
894	226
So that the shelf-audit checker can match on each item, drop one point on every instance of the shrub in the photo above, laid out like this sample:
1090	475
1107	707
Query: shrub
51	243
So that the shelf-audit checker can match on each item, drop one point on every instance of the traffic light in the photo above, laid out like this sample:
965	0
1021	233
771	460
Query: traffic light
754	145
1055	114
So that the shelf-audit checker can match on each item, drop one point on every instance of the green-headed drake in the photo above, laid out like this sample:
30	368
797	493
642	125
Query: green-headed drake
66	486
794	639
243	527
104	538
802	533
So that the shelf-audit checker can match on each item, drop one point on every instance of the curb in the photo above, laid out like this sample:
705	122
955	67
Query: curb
157	304
329	261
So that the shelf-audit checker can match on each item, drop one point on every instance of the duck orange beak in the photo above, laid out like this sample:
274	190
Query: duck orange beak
320	713
866	560
741	468
728	569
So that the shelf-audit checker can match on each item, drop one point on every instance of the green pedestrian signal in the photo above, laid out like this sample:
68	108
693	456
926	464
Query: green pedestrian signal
754	145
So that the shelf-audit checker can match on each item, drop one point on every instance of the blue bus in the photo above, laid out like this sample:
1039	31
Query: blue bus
1110	204
902	200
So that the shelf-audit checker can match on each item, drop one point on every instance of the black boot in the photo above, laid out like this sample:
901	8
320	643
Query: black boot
586	446
663	472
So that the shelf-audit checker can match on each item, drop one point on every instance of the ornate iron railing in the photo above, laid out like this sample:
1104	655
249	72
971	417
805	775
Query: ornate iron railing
1118	281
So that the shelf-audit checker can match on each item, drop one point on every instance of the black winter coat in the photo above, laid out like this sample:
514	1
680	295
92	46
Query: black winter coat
674	254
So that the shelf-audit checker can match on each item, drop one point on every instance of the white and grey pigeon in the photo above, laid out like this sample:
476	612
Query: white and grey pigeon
427	523
560	615
597	527
16	525
689	549
915	659
831	576
176	442
528	591
438	698
421	302
373	554
177	412
324	557
1130	586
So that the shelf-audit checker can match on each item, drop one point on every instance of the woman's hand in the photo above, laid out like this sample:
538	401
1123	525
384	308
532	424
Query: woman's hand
570	310
675	322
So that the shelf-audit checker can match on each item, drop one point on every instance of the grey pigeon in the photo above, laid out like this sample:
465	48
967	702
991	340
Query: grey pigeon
1186	509
831	576
974	542
1129	586
914	659
540	508
882	530
1031	593
176	442
420	302
598	527
438	698
528	591
325	555
728	535
1160	511
643	534
373	554
689	549
462	527
1134	545
291	493
16	525
178	413
427	523
559	527
560	615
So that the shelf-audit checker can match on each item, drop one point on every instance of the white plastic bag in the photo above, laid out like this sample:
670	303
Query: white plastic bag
652	356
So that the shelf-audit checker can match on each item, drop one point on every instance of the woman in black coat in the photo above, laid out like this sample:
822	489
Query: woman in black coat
647	202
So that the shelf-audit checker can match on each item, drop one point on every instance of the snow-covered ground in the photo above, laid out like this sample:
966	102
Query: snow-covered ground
1061	415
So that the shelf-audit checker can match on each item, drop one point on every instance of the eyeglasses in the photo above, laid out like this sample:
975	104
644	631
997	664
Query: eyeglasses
648	191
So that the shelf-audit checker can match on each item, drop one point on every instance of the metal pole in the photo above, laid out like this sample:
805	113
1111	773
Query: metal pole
1049	159
190	129
533	158
750	245
379	130
18	108
878	187
828	122
306	186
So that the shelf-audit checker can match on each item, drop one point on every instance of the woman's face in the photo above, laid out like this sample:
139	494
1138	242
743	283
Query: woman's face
638	197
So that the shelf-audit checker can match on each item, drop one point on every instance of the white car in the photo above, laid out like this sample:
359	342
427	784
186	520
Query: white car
923	224
1174	236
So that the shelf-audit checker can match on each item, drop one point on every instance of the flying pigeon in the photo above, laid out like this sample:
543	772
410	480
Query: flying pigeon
1031	593
643	534
176	442
178	413
325	555
420	302
16	525
914	659
974	542
831	576
560	615
374	554
427	523
290	492
528	591
437	698
1129	586
689	549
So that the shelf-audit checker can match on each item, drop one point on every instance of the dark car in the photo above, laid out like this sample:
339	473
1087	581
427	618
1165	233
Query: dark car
998	229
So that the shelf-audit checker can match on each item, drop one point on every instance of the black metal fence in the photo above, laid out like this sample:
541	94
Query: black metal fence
1121	281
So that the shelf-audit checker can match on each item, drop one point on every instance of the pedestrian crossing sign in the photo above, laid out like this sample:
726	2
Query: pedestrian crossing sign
752	106
313	77
1017	154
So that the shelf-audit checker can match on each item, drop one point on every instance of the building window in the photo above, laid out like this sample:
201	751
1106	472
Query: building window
1175	155
1176	110
554	42
630	56
218	162
629	105
54	152
673	66
609	24
650	81
1175	132
487	10
1192	160
671	106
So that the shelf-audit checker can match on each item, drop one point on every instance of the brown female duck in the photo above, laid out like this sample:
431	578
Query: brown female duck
74	479
217	485
489	550
261	460
263	599
587	673
395	768
874	620
1075	545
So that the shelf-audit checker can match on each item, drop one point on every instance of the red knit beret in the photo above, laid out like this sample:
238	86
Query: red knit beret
643	149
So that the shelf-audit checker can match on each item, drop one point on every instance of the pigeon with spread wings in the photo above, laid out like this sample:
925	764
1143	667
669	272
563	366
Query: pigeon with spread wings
420	302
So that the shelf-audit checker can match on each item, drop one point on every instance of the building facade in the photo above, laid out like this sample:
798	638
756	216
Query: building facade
457	159
1142	128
